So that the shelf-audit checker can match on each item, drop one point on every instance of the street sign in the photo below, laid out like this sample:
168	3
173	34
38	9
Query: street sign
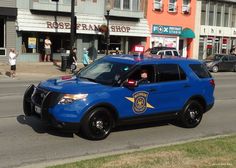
170	30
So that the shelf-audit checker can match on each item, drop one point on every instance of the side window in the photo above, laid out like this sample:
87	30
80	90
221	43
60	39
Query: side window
176	53
200	70
225	58
170	72
161	53
232	58
168	53
143	73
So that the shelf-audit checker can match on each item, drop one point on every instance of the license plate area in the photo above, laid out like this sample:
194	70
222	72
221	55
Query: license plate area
37	109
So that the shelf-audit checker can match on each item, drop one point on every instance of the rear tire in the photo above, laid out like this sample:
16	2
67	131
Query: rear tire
215	69
97	124
192	114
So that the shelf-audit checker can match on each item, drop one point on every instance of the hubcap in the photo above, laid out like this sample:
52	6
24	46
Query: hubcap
193	114
99	124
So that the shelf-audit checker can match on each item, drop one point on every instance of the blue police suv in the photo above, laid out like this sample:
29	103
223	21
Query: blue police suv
122	89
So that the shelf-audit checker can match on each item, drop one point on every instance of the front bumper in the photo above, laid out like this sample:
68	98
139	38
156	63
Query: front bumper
37	102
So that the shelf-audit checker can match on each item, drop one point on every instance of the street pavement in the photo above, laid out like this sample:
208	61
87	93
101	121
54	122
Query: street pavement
33	71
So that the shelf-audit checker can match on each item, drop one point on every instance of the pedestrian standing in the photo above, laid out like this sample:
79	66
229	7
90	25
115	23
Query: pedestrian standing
74	63
12	62
47	47
85	58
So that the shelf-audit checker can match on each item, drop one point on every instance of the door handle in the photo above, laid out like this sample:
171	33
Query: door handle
152	90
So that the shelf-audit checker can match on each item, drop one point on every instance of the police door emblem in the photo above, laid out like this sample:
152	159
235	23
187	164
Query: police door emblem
140	103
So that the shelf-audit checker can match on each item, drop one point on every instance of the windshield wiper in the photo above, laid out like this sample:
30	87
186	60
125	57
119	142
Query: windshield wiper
89	79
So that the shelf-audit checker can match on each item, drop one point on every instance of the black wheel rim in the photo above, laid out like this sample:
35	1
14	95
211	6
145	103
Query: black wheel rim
100	124
193	115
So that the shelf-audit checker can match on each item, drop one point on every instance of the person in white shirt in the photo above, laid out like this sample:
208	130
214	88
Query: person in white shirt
47	47
12	62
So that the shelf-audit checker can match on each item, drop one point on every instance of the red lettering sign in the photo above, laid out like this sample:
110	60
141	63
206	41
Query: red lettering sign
86	27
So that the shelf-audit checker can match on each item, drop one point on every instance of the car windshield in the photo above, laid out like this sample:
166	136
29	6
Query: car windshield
104	72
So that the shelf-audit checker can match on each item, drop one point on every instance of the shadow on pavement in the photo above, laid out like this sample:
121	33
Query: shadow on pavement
144	125
42	127
8	73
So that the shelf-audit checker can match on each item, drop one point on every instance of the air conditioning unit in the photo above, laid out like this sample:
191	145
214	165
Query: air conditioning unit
158	5
185	9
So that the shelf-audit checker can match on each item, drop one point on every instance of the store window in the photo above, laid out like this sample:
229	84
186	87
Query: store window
127	5
172	6
33	42
186	6
201	48
218	15
233	21
2	37
115	44
226	15
211	13
203	13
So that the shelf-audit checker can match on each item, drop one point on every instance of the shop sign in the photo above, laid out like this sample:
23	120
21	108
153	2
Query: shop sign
169	30
87	27
31	42
139	48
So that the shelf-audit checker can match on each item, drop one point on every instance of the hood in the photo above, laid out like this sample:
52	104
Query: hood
71	85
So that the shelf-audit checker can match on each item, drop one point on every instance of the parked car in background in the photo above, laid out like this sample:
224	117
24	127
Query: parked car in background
221	62
164	51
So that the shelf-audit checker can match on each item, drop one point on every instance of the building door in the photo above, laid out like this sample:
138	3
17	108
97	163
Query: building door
216	48
181	46
2	37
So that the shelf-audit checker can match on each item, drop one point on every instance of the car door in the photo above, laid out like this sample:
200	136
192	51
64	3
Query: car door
232	62
172	88
139	100
164	94
225	64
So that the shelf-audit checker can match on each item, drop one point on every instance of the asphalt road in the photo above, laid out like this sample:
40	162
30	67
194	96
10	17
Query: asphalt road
26	141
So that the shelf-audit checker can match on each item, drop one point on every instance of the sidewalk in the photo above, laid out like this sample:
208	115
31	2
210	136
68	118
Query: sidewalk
33	71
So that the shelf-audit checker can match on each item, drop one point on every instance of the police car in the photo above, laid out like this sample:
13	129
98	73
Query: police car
110	92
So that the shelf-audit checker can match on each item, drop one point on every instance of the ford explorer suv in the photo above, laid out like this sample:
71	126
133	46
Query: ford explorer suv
111	92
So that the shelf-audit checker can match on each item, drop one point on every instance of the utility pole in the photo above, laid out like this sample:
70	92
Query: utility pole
72	25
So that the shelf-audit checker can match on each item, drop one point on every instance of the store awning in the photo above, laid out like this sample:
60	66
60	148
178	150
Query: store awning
187	33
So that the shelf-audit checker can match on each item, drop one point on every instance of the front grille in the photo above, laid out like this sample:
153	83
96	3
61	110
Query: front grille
38	96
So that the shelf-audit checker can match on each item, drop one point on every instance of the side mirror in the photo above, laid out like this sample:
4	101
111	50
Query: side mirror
130	83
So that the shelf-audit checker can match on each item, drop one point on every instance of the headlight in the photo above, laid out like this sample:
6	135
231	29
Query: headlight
69	98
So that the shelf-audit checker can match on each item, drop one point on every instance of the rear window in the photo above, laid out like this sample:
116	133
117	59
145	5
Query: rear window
200	70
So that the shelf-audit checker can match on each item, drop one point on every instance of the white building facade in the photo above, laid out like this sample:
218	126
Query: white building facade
215	27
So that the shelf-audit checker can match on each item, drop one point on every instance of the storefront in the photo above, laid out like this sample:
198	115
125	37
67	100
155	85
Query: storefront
172	36
123	34
7	30
215	40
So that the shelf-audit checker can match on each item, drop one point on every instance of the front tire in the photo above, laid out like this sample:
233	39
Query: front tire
215	69
97	124
192	114
27	100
